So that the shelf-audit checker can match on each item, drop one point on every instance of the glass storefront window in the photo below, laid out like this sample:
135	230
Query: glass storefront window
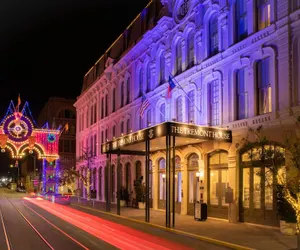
246	187
256	188
223	185
214	187
269	190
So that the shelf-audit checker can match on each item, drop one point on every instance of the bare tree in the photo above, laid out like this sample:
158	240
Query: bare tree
68	178
86	161
281	162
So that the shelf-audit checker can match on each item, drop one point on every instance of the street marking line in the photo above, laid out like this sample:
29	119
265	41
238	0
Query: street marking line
69	236
5	232
203	238
37	232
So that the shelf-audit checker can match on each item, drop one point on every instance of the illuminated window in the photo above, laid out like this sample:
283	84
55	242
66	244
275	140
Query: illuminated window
179	115
264	90
213	35
214	103
162	110
128	126
241	19
178	58
162	68
241	95
190	50
191	106
263	14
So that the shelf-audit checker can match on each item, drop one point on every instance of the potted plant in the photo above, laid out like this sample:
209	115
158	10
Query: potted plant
286	214
140	192
123	196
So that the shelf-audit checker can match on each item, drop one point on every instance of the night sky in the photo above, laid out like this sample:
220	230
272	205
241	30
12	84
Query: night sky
47	46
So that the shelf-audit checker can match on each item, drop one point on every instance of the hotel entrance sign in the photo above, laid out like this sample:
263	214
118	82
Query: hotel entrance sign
168	129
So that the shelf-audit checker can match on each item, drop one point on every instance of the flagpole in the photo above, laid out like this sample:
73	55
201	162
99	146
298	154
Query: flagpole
186	94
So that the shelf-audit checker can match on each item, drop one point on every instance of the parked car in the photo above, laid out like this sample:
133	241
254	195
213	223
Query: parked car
21	189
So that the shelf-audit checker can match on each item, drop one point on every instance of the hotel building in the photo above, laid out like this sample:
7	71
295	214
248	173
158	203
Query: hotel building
237	62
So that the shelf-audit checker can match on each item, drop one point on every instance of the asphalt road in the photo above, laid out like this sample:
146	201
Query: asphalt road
27	226
22	236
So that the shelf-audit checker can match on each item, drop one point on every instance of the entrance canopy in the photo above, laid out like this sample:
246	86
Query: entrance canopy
186	134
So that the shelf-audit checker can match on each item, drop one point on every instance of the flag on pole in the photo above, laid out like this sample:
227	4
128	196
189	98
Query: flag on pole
171	86
144	105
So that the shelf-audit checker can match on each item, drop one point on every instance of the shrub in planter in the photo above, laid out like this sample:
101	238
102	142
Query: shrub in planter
123	196
140	191
286	214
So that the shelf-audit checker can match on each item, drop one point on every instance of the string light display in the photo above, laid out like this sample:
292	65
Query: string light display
19	133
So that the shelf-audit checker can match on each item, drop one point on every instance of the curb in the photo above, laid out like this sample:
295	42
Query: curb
199	237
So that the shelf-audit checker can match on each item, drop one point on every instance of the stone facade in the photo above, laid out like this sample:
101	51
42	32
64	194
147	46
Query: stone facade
235	64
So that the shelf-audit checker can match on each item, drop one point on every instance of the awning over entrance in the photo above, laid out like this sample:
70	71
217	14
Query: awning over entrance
186	134
165	136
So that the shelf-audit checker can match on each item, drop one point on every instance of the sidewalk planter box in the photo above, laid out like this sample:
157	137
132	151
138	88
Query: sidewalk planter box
122	203
142	205
287	228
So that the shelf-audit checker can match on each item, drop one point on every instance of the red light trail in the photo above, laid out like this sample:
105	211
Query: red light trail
120	236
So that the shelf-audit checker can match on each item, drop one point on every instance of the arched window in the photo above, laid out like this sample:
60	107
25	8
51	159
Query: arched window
162	163
162	110
140	82
114	131
191	106
193	168
149	117
263	14
264	90
138	170
128	91
190	50
122	102
214	103
241	95
102	107
114	100
113	183
141	122
122	128
100	183
148	78
162	68
241	19
106	105
65	113
162	182
179	115
128	177
128	126
213	35
178	58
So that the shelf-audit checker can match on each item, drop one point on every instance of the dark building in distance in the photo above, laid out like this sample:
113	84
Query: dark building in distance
59	112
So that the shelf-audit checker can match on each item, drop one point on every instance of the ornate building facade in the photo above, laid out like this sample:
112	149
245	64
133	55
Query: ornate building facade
238	64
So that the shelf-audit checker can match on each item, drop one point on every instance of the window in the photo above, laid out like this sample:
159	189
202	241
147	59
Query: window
162	112
190	50
102	107
148	78
179	115
61	146
213	35
106	134
214	103
264	90
141	122
95	113
263	14
241	95
191	106
114	131
178	57
122	128
162	179
95	145
102	137
114	100
149	117
65	113
73	146
91	148
140	82
106	105
162	68
241	19
122	94
100	183
128	91
92	115
128	125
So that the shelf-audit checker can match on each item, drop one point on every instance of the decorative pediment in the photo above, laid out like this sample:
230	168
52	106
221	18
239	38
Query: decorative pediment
109	62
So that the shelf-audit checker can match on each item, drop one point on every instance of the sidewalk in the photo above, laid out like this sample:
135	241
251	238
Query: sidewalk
243	234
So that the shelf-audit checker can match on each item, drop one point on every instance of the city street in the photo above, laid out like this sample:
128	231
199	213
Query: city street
44	225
